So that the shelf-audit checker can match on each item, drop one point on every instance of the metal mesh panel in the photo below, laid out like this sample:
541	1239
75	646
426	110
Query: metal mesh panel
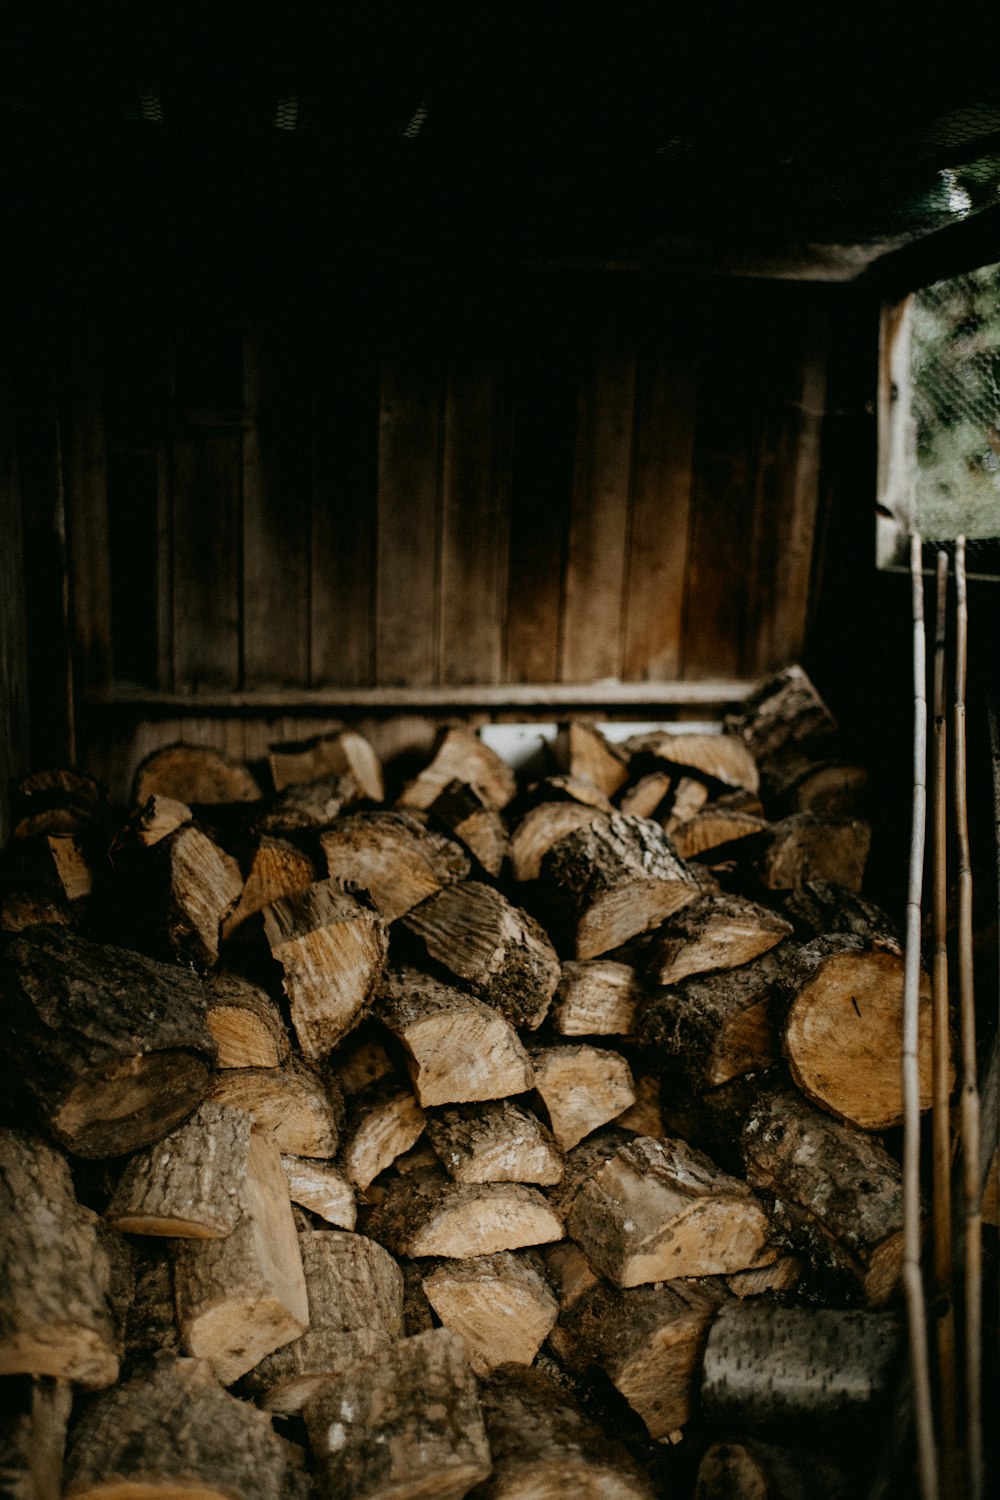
956	405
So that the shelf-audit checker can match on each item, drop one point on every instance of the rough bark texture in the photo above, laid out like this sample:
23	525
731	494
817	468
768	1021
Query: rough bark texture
581	750
582	1088
195	774
714	932
542	827
301	1110
659	1210
596	997
834	1193
820	907
33	1441
469	817
344	754
544	1448
393	856
113	1046
616	877
771	1364
241	1297
460	1220
460	755
722	757
382	1122
497	949
246	1023
187	1186
170	1430
311	806
332	951
277	869
321	1188
458	1049
55	1314
403	1424
501	1305
747	1470
151	1322
648	1340
783	715
495	1142
807	847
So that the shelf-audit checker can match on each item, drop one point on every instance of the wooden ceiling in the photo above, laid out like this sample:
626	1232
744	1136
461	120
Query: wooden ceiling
769	139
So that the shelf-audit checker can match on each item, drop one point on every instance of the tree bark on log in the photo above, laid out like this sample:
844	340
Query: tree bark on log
820	907
246	1023
242	1297
393	856
195	774
403	1424
495	948
112	1046
714	932
310	806
55	1316
33	1442
501	1305
806	847
785	714
616	877
659	1210
539	829
460	1220
187	1186
332	951
495	1142
747	1470
293	1104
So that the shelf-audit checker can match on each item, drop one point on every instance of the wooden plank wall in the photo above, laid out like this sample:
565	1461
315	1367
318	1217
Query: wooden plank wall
565	478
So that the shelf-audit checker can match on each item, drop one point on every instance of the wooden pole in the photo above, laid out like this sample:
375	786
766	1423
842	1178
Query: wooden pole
993	1097
913	1282
944	1310
970	1125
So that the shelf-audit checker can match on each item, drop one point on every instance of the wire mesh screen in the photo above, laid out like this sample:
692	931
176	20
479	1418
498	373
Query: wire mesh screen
955	368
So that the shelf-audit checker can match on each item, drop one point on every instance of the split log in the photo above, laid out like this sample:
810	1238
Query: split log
55	864
747	1470
690	796
241	1297
544	1448
301	1110
321	1188
171	1430
714	932
568	789
831	788
309	807
363	1057
616	877
383	1121
355	1294
819	907
843	1030
596	997
21	909
723	758
33	1441
458	1049
469	817
195	774
499	1142
580	1164
151	1321
645	1116
154	820
782	1275
539	829
501	1305
203	885
187	1186
712	831
55	1318
785	714
497	949
644	797
771	1364
659	1210
459	1220
332	951
582	1088
709	1029
59	788
835	1196
246	1023
402	1424
581	750
277	869
806	847
345	754
460	755
569	1271
394	857
649	1340
112	1046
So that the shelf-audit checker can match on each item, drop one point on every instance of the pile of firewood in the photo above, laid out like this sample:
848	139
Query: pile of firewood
491	1141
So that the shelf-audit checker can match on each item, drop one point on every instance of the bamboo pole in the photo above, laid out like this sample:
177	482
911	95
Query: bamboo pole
912	1280
970	1124
943	1303
993	1097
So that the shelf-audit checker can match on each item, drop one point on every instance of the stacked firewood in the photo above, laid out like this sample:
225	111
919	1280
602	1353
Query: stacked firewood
490	1141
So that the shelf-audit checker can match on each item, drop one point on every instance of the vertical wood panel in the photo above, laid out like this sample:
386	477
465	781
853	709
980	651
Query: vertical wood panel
84	454
661	507
206	483
13	627
476	496
591	645
277	485
407	610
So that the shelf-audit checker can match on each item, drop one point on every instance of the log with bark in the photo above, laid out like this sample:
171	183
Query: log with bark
195	774
278	868
245	1022
500	1304
542	827
462	1219
596	997
616	877
402	1424
582	1088
581	750
393	856
719	758
460	755
498	950
470	818
715	932
309	806
785	715
295	1104
33	1439
345	754
494	1142
112	1046
806	846
188	1185
332	951
383	1121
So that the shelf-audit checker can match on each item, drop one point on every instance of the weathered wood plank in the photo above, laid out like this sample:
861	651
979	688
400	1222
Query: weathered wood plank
207	481
84	452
